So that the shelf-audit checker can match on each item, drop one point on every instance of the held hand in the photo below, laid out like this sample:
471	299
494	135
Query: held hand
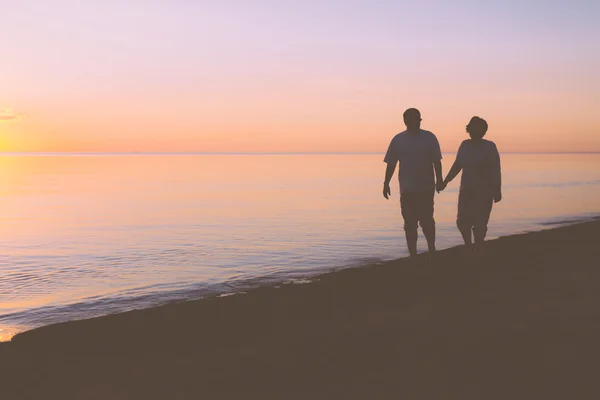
498	197
440	186
386	190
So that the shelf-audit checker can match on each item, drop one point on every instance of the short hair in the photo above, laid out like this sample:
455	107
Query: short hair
477	127
412	114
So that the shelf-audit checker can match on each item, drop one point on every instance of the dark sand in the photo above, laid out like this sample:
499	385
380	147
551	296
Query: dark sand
522	323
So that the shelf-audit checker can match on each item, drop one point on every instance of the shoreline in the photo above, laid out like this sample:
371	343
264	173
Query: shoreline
521	321
226	288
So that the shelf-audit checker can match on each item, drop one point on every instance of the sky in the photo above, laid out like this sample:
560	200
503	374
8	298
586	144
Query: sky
296	76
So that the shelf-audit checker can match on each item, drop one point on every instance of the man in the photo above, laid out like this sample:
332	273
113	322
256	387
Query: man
419	154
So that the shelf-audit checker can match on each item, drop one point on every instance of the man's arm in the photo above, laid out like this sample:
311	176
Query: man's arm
439	178
391	159
389	173
436	154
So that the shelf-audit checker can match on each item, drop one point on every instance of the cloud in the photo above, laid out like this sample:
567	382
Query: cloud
9	115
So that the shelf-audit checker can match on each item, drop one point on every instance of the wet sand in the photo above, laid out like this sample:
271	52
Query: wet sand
520	322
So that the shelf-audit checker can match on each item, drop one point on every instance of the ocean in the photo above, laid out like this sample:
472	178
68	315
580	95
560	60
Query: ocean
87	235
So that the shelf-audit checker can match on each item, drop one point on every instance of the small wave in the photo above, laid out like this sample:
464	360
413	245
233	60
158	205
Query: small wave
571	221
301	281
230	294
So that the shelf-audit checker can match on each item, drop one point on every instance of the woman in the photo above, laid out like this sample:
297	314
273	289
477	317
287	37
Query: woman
480	184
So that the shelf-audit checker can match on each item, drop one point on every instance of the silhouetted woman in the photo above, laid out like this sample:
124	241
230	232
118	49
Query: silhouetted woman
480	184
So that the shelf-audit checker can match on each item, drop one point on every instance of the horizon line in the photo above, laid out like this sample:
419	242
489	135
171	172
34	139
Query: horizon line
9	153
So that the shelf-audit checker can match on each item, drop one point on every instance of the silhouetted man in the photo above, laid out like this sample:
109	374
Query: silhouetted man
419	154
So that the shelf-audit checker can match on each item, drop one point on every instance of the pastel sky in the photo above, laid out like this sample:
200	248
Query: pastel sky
310	75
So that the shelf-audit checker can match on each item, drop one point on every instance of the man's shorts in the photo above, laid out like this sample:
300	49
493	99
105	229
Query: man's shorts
417	206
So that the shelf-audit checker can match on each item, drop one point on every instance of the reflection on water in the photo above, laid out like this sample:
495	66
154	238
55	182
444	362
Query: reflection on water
89	235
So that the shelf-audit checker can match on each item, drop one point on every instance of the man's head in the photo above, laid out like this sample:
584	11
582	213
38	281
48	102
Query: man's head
477	128
412	119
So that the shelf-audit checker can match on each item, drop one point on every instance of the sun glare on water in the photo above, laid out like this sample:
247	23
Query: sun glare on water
5	336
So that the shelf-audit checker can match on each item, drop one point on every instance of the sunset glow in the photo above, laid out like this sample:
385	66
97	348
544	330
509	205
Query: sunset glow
271	76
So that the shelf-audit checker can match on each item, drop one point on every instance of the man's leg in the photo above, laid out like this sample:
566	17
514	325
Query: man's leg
410	231
426	218
428	226
407	205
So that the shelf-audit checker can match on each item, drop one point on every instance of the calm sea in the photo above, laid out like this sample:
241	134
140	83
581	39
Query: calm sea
87	235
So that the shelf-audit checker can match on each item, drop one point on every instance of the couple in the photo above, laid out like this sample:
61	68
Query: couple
419	155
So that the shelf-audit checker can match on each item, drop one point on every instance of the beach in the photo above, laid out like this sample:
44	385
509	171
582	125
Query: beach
521	321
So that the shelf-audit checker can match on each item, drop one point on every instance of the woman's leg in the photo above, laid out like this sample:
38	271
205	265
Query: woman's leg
463	219
409	207
482	216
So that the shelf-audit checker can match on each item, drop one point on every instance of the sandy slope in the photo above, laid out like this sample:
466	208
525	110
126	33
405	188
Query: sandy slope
523	322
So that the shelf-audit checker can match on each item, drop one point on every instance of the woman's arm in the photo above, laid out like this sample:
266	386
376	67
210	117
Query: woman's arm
456	167
497	176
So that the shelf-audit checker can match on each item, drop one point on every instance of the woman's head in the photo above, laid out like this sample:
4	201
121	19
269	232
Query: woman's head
477	128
